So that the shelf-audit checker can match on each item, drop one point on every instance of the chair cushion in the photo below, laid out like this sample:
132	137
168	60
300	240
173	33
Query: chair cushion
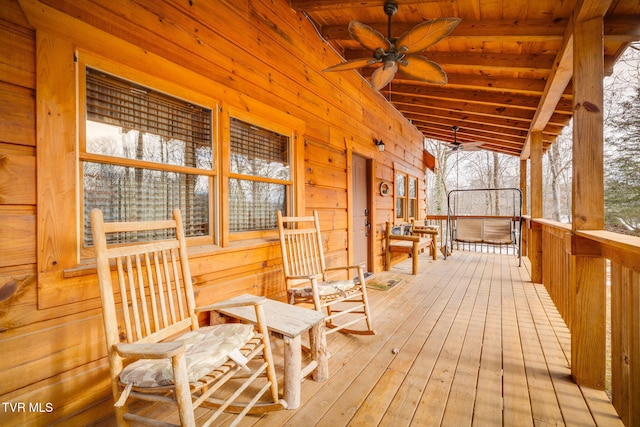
325	289
205	349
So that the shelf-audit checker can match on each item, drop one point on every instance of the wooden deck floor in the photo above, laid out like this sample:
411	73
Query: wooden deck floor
470	341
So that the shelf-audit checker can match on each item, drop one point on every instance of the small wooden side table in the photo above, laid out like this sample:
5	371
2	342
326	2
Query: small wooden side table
290	322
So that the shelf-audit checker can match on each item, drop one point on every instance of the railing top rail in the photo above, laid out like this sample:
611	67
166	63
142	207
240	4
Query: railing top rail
552	223
611	239
444	217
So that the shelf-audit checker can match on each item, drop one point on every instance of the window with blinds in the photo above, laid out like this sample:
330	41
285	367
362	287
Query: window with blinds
260	176
144	154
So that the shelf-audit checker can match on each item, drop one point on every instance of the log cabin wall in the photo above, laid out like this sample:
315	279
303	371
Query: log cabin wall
256	57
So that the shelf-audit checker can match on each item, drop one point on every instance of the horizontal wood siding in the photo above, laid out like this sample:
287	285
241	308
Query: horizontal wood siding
247	52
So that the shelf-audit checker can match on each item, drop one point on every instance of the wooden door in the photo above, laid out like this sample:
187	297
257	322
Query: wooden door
361	212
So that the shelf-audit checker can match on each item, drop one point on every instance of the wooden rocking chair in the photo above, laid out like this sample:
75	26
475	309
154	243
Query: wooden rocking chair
306	276
157	351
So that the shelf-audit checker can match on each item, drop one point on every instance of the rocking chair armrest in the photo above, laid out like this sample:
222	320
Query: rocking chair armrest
346	267
308	277
155	350
245	300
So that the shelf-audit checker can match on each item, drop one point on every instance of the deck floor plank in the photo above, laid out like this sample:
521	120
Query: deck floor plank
469	341
544	404
567	394
428	341
459	410
436	395
517	404
489	398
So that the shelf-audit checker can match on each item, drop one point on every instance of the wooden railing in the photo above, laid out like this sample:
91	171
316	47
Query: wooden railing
559	248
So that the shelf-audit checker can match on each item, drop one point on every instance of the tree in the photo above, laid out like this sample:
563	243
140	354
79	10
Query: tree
558	178
622	146
622	173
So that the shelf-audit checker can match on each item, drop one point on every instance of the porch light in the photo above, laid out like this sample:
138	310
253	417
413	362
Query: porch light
380	144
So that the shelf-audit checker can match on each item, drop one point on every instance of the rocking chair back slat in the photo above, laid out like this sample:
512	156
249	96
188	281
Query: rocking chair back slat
303	246
154	294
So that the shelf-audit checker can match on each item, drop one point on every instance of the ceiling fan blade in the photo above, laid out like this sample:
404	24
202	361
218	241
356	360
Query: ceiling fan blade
383	75
423	69
352	64
368	37
472	146
426	34
464	146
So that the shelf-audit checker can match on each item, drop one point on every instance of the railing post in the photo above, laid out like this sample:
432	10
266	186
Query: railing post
535	235
587	274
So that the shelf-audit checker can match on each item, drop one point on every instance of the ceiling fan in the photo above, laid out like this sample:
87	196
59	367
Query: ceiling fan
399	53
459	146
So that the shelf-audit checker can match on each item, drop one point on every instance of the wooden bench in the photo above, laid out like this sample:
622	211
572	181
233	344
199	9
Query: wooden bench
402	239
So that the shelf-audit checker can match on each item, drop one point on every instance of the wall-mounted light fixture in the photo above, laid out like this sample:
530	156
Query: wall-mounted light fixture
380	144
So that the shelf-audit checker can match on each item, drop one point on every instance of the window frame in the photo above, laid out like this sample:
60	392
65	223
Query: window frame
405	199
158	85
277	125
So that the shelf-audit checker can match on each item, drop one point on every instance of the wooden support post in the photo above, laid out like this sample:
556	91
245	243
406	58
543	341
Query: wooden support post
523	185
523	188
535	233
587	274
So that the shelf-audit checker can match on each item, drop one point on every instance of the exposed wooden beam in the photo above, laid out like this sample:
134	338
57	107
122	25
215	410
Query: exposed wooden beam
468	136
488	30
452	118
457	117
483	82
465	111
318	5
481	129
463	106
527	102
562	71
622	29
503	63
489	145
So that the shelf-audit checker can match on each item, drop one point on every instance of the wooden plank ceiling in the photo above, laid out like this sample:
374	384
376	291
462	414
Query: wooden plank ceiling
508	62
